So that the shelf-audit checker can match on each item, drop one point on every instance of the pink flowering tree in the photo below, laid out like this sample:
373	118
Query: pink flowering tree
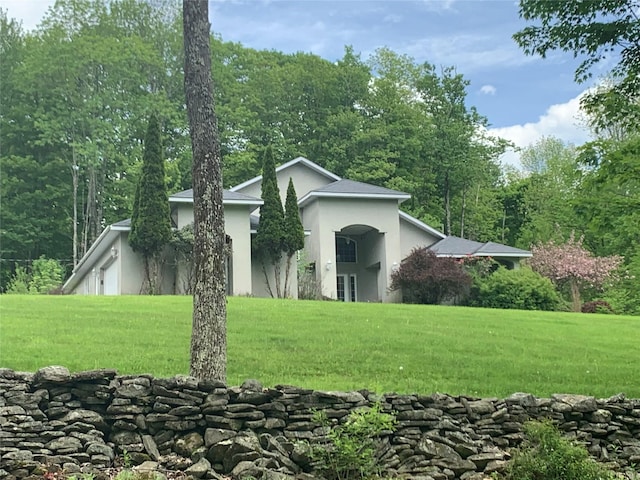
572	265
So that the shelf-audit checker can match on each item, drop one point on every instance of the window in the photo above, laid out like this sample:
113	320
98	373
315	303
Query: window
346	250
340	287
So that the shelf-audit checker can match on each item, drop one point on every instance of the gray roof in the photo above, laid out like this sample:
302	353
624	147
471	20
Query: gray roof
123	223
352	187
460	247
227	196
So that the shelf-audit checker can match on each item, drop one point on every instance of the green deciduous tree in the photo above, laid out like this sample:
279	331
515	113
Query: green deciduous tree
548	193
594	30
209	329
293	231
269	242
608	205
151	218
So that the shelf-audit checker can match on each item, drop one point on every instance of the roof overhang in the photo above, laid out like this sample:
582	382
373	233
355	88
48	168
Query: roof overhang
250	203
97	249
486	255
309	197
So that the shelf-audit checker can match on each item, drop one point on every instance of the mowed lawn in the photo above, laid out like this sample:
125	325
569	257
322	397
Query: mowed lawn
334	346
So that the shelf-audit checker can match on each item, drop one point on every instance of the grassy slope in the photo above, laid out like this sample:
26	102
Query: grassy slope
330	345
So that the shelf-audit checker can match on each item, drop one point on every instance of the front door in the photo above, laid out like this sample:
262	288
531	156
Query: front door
346	287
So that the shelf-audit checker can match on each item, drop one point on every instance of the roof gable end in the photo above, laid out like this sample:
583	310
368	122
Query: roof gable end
296	161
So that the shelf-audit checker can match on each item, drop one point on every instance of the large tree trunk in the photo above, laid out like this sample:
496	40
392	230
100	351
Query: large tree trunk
209	333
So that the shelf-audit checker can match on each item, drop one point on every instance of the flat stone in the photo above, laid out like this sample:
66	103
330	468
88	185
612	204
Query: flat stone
87	417
147	467
53	374
199	469
523	399
578	403
65	445
151	447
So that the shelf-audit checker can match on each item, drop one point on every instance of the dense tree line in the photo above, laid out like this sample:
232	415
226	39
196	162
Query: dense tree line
78	91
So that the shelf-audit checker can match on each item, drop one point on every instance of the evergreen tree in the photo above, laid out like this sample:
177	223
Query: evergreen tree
151	218
270	236
293	231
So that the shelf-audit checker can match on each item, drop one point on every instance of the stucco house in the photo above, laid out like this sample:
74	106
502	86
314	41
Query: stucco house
355	236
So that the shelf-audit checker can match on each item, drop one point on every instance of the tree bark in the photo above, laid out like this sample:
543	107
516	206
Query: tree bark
576	301
74	177
447	205
209	335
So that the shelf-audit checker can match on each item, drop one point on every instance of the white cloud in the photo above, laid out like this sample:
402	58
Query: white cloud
562	121
468	52
393	18
30	12
488	90
438	5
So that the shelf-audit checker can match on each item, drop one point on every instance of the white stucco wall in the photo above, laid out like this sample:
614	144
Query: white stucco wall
238	227
411	237
131	268
326	216
304	181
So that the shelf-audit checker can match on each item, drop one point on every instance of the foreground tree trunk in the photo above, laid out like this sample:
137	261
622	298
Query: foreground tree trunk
209	333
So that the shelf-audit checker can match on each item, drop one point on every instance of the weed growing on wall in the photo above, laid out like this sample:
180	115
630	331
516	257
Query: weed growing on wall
352	445
547	455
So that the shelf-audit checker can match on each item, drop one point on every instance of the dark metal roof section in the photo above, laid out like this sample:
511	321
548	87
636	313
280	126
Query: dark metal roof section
123	223
358	188
459	247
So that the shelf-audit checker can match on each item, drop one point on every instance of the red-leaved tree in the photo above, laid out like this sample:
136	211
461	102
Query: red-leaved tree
426	278
571	264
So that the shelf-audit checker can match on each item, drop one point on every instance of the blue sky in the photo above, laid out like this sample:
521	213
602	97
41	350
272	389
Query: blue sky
522	97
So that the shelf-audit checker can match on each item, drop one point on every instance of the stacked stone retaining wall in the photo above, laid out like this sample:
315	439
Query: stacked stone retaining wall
208	430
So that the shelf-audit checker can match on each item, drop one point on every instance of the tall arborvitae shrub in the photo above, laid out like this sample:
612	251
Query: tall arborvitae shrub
293	231
270	236
151	217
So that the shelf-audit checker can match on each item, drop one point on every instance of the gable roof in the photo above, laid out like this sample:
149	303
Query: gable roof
460	247
353	189
299	160
228	198
97	249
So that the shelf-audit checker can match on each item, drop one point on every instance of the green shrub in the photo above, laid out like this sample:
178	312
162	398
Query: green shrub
519	289
19	283
547	455
46	276
351	452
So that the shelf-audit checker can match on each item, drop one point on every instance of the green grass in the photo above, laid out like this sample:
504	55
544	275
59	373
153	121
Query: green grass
334	346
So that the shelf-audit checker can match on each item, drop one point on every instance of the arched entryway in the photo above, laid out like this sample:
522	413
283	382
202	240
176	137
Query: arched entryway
359	250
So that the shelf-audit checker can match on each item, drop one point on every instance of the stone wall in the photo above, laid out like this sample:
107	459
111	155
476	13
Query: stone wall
92	418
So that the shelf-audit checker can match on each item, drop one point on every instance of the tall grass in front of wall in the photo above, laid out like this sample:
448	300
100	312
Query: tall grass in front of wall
333	345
